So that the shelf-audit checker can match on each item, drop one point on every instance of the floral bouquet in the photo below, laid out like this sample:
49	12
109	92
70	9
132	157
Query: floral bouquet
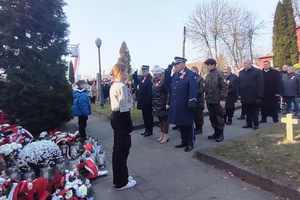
38	154
9	148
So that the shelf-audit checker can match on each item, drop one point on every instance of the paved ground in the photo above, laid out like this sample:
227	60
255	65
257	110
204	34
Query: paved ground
164	172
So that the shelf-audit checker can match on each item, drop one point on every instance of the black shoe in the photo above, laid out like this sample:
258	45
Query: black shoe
229	123
144	133
247	126
220	138
175	127
263	121
198	131
180	145
188	148
256	127
213	136
276	122
147	134
241	117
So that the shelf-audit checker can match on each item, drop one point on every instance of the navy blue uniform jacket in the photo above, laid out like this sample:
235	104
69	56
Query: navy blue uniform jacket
184	94
144	101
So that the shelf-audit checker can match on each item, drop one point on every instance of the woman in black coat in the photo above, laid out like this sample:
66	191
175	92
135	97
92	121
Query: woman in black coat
231	80
161	92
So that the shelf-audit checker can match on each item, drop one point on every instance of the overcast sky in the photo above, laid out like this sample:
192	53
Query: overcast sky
152	30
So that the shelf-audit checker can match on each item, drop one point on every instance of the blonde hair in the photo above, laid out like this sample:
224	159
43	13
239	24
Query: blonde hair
117	68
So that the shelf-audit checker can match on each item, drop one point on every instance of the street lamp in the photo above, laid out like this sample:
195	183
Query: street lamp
98	43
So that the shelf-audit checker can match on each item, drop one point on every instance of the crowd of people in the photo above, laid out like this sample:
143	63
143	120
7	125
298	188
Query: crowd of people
179	98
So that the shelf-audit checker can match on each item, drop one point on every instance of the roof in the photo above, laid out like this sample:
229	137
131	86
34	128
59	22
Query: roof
197	64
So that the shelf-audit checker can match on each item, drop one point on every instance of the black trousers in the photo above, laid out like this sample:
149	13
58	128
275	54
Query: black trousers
148	120
272	111
198	116
82	124
187	135
122	144
251	111
229	114
216	117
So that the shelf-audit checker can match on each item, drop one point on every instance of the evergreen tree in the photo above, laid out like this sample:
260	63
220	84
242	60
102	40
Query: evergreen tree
35	92
292	45
125	56
285	46
71	72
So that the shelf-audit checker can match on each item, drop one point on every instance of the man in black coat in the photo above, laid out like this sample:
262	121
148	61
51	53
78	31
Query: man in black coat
272	91
144	100
231	81
251	85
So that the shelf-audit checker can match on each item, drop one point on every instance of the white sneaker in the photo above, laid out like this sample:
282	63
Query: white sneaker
130	184
129	179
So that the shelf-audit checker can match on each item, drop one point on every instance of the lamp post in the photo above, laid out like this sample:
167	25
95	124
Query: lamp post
98	43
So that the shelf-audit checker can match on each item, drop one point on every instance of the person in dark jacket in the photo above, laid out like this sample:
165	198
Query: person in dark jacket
198	113
272	91
161	92
291	88
231	81
81	107
183	102
215	94
251	84
144	100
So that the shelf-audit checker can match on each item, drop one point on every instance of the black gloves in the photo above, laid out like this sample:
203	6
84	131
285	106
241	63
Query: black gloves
192	109
170	66
135	74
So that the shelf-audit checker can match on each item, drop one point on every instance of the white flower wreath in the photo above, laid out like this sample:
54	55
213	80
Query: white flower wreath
43	151
8	148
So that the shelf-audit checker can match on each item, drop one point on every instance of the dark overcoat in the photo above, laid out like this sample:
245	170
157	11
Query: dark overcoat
251	85
272	86
144	101
290	84
232	87
183	98
161	93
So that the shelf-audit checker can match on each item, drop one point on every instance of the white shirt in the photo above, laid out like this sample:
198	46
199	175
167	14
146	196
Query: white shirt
120	97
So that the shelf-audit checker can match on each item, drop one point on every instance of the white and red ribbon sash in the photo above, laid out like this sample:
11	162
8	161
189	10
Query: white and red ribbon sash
183	74
143	81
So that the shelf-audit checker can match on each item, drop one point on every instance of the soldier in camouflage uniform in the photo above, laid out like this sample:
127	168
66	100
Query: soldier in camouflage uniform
198	113
215	94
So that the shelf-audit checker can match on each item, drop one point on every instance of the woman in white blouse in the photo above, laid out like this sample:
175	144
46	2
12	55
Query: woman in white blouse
121	102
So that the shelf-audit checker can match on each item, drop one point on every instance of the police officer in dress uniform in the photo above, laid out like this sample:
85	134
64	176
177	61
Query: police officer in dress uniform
215	94
144	101
183	102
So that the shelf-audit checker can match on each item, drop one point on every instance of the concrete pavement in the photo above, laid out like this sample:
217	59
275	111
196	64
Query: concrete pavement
164	172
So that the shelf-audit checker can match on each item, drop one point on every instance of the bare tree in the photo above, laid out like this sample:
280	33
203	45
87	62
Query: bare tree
205	25
252	25
219	25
